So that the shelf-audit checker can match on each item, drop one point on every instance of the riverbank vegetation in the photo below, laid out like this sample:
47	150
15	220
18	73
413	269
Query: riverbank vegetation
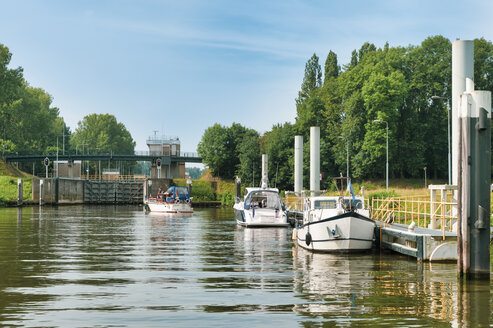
353	104
8	189
30	124
207	189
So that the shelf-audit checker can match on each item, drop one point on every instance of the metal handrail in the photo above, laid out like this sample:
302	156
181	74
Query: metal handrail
422	212
115	177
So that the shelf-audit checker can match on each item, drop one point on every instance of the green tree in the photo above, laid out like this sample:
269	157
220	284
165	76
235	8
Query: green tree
220	148
249	168
331	67
102	133
278	144
312	79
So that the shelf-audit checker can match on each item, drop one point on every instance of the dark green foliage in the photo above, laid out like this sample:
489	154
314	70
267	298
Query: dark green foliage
28	123
391	84
278	144
227	198
221	147
312	79
331	67
104	134
249	169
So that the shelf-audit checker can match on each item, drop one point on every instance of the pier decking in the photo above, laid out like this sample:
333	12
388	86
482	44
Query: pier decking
422	243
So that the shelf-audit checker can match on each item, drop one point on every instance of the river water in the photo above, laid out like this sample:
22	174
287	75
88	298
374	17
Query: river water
115	266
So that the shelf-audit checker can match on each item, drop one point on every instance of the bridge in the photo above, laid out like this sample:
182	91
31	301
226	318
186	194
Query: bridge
144	156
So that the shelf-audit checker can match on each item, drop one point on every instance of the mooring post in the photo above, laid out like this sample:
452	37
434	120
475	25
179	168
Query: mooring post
314	158
298	165
474	184
264	183
189	185
41	192
19	192
237	189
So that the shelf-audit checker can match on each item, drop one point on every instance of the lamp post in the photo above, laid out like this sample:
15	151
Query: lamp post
449	164
387	162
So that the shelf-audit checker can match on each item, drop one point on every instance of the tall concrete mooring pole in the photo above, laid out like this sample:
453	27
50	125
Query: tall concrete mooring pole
298	164
473	233
462	68
265	171
314	158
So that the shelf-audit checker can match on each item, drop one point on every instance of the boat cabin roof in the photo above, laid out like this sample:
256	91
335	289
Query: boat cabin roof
252	189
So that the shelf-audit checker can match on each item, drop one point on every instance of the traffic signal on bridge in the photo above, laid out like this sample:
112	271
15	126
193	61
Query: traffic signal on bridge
47	161
158	162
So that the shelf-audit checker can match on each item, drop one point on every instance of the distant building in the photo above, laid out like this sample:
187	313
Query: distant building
166	147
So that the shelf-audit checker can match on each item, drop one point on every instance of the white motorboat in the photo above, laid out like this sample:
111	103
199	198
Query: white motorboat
261	207
335	224
176	200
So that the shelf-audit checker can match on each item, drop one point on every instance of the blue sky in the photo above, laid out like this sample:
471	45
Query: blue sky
181	66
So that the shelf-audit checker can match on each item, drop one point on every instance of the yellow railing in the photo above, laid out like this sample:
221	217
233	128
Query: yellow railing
294	201
115	177
423	212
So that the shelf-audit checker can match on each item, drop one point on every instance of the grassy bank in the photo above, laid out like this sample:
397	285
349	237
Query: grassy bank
8	189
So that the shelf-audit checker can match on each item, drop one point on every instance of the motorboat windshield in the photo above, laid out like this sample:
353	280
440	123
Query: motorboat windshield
264	199
178	192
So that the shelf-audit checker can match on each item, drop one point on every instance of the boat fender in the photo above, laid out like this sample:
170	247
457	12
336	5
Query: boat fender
308	239
177	201
187	201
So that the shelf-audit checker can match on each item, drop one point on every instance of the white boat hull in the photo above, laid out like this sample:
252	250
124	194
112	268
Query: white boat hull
341	233
261	218
170	208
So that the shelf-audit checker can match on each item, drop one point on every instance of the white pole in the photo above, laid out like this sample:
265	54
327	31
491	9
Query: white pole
265	168
462	68
298	164
314	158
387	163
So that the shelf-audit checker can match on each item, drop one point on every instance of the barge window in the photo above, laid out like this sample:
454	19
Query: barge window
326	204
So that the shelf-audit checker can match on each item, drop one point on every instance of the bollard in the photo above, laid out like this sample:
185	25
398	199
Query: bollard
264	182
189	186
473	237
237	189
314	158
19	192
298	164
41	192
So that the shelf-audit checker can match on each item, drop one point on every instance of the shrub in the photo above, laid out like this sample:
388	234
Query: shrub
227	198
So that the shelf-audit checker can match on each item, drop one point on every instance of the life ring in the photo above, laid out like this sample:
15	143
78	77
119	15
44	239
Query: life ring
177	201
187	201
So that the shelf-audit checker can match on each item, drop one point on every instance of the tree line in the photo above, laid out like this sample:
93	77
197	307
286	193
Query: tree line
30	124
353	104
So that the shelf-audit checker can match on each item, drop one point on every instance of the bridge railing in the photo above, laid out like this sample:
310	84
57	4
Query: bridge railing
115	177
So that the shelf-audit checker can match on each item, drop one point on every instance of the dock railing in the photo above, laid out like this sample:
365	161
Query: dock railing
294	201
440	214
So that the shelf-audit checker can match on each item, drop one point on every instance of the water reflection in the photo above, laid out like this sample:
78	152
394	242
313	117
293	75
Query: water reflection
392	290
119	266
